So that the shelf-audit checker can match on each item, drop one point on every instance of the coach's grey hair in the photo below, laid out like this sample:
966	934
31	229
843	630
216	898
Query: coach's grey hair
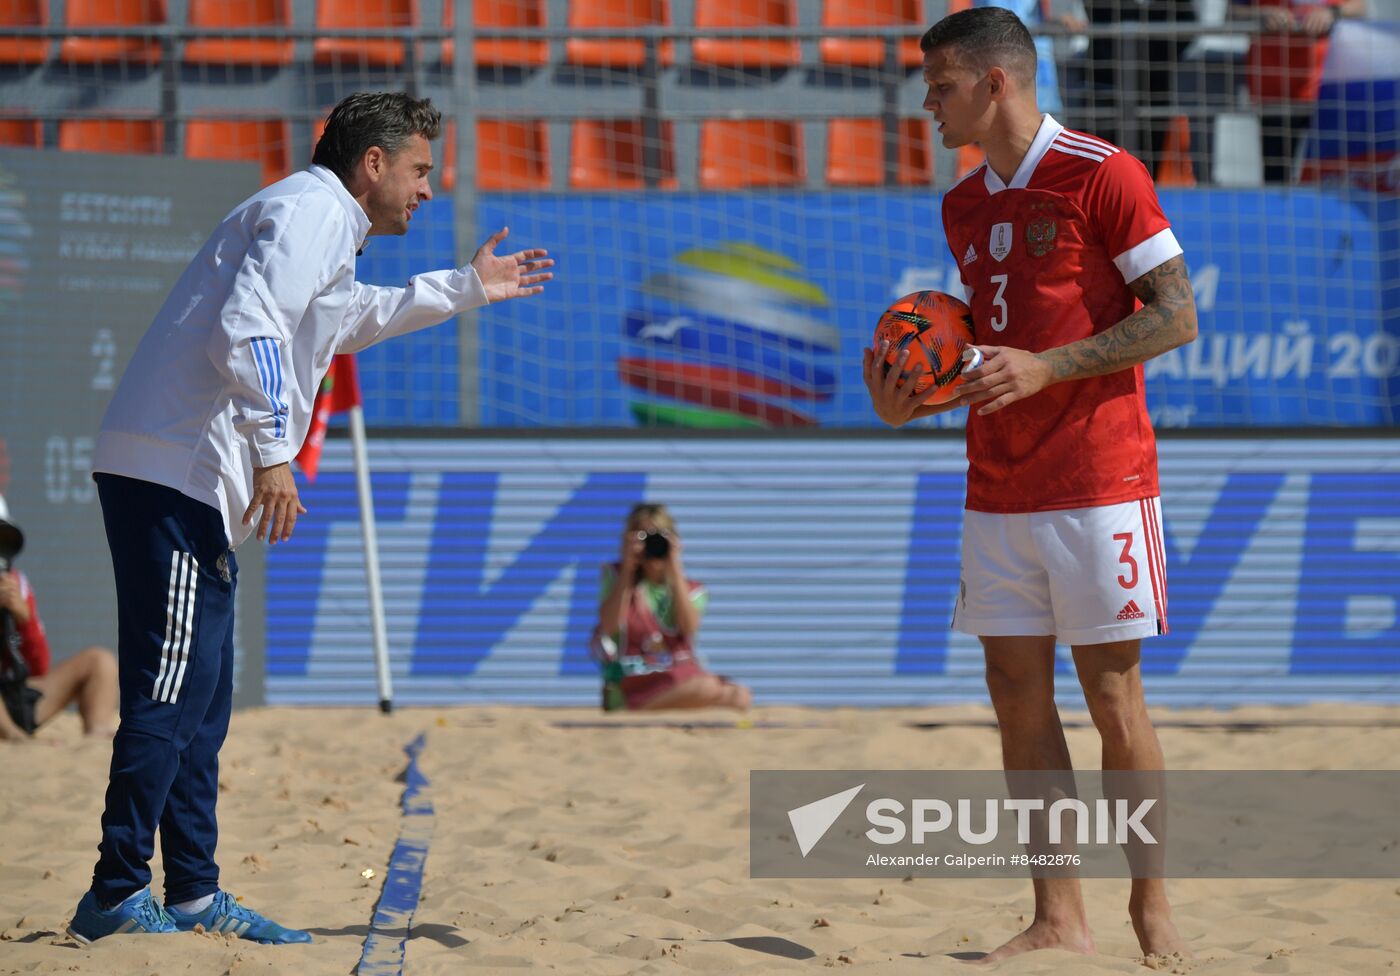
365	119
985	37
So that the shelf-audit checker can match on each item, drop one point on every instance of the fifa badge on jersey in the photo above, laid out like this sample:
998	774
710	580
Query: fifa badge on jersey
1040	236
1000	244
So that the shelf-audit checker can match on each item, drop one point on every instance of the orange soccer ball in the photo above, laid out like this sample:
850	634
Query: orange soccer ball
935	328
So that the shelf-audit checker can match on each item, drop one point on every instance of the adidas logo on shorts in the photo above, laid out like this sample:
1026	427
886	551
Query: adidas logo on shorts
1130	611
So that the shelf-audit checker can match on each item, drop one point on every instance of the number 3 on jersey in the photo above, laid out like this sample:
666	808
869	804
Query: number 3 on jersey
999	300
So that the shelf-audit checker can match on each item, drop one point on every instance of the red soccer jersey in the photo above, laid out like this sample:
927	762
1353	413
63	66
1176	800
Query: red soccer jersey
33	641
1047	260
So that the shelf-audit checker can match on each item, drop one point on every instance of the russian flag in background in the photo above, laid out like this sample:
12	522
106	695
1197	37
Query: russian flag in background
1356	141
1356	133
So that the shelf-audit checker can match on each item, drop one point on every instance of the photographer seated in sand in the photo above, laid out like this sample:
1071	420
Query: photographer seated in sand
648	621
32	691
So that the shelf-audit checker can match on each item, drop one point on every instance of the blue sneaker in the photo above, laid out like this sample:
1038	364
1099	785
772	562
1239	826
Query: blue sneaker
139	913
226	915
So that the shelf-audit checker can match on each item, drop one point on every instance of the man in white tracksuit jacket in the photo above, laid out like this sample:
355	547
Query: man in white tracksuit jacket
196	445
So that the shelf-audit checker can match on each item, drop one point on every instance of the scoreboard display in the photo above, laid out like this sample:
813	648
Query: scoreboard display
90	246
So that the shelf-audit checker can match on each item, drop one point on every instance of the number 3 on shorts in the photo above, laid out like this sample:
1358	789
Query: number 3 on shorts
1126	557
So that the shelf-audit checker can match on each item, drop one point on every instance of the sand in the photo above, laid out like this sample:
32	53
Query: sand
560	845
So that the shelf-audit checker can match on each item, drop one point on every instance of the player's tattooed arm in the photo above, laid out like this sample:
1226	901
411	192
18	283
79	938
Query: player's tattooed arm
1166	320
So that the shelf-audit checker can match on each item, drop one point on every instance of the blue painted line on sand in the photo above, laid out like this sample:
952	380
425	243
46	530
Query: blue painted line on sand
393	917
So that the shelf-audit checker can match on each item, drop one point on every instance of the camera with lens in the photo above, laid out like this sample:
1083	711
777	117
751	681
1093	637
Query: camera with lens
655	545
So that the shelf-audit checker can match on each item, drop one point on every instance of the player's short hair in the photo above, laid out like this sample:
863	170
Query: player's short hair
986	37
365	119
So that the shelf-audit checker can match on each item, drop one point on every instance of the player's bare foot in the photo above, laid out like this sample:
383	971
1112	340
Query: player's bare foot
1157	934
1043	934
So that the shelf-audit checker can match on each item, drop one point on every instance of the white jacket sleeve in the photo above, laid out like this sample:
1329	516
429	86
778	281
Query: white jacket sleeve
289	261
377	313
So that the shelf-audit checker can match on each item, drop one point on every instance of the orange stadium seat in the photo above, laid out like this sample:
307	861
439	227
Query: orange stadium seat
21	132
214	14
739	52
317	128
379	52
969	158
870	53
512	155
24	13
266	142
502	52
617	52
444	177
753	152
144	137
111	13
855	153
609	155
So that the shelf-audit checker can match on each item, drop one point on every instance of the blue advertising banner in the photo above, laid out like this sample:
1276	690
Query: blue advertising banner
752	310
832	565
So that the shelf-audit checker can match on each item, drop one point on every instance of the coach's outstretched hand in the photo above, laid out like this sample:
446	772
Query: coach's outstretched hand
513	276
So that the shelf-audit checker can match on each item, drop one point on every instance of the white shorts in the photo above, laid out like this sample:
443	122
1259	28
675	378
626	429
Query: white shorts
1082	575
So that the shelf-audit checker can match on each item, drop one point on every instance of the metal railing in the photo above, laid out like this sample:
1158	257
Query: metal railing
890	76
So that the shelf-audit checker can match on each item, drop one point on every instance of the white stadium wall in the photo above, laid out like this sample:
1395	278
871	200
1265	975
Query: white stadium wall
832	567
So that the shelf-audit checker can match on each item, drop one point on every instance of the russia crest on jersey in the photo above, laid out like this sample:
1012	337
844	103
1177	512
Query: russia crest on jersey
1000	244
1040	236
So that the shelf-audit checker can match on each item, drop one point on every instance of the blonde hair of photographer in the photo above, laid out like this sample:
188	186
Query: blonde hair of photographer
635	566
